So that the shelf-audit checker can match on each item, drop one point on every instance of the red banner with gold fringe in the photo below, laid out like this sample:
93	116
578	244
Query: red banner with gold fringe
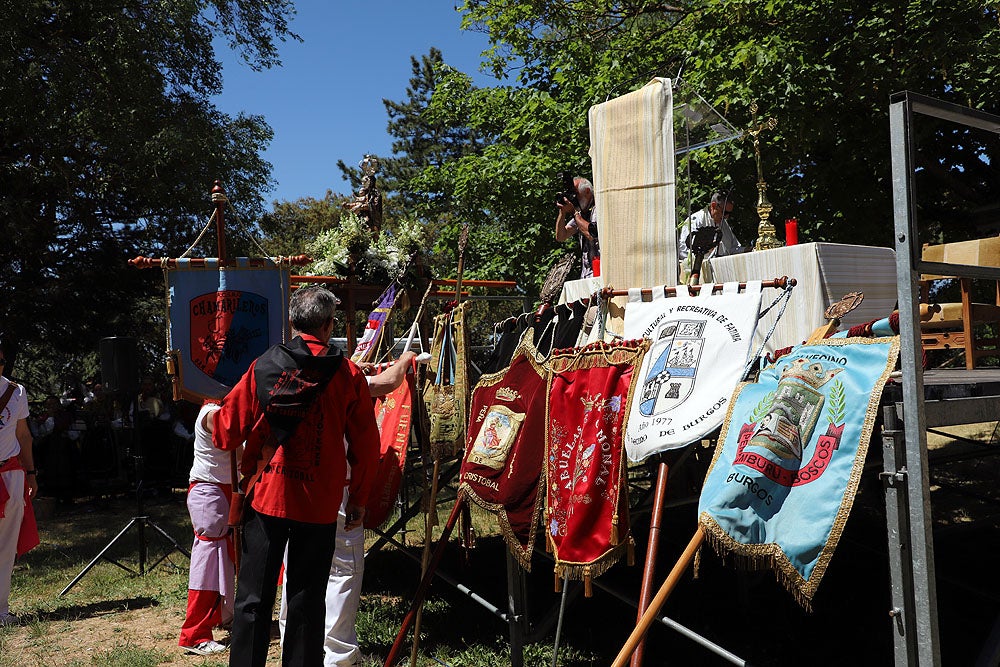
586	511
506	448
393	413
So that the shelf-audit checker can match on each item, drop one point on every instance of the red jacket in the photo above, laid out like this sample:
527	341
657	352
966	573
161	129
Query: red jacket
305	480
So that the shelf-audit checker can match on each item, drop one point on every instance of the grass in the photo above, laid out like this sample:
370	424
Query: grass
114	618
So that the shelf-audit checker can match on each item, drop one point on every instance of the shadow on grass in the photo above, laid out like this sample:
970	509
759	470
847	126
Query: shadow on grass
76	612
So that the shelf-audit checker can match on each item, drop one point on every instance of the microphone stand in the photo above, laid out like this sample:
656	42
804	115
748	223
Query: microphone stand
140	520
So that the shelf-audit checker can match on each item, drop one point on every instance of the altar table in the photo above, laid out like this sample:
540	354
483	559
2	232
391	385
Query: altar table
825	273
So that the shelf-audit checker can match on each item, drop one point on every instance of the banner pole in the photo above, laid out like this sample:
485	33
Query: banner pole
652	550
429	523
425	583
649	616
220	201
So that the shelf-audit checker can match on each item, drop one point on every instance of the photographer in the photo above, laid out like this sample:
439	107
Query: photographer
577	216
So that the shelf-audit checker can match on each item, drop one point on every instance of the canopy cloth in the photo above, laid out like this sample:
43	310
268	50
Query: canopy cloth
632	150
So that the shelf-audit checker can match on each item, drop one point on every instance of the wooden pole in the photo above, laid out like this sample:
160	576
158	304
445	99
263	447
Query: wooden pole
425	584
429	523
220	201
781	282
649	616
652	550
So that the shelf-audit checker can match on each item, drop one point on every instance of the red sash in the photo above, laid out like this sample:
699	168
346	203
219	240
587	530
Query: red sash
27	536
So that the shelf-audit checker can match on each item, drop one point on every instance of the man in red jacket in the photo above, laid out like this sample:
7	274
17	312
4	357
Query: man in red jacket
298	401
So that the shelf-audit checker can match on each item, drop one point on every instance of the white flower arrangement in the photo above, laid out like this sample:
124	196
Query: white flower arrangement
375	261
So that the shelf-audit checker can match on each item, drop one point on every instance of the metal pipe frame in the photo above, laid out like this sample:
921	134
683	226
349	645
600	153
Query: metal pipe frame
911	545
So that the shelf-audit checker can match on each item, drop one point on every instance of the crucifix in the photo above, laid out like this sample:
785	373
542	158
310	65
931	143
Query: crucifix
766	238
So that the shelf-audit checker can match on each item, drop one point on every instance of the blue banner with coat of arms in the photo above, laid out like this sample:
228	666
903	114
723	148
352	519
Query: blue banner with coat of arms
221	319
790	456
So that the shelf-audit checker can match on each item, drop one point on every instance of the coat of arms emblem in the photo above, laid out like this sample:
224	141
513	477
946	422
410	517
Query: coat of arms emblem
670	376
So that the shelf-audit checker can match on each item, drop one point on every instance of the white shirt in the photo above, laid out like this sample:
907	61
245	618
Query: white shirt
210	464
15	410
729	245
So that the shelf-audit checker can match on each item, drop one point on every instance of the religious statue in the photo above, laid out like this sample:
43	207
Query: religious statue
367	202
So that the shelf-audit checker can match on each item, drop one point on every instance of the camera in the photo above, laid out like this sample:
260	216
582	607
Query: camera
568	193
703	240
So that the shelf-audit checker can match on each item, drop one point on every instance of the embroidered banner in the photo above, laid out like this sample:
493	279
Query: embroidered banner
586	502
394	413
506	448
698	349
783	479
376	321
446	394
220	320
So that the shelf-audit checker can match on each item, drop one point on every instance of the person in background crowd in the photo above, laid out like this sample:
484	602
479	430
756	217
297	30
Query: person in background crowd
18	481
580	218
716	214
212	578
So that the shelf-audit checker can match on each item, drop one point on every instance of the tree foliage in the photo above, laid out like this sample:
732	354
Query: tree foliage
109	146
823	71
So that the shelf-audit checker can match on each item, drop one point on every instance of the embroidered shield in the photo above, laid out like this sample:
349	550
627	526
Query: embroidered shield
670	377
229	329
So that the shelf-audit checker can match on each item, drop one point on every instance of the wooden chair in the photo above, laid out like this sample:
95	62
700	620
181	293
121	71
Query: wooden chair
973	328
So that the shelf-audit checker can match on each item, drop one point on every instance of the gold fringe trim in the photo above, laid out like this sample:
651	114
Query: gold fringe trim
599	355
756	557
521	552
597	567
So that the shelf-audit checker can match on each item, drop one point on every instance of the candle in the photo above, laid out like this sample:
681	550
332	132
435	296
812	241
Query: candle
791	231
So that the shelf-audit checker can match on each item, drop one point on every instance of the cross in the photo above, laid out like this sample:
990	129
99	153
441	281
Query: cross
754	131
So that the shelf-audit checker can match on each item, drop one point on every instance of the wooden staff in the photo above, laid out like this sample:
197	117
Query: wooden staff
219	200
425	583
652	550
463	240
782	282
649	617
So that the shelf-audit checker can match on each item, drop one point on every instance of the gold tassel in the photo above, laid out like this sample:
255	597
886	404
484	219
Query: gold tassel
631	552
614	529
558	582
588	583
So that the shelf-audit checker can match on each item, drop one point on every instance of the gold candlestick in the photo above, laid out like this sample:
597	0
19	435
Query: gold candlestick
766	238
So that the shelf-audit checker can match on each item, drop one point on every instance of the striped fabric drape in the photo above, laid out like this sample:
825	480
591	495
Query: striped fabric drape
632	149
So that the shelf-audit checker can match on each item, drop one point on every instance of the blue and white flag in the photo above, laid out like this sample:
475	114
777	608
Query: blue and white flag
790	455
221	319
698	352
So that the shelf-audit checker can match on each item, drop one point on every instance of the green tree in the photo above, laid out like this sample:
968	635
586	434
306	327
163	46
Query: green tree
290	226
109	145
823	71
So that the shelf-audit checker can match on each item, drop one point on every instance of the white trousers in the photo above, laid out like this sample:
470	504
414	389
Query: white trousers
10	526
343	597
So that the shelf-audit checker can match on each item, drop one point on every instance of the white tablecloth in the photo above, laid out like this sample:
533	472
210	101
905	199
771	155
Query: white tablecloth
825	273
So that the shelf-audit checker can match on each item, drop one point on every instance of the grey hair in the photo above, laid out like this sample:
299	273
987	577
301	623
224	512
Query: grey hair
584	186
311	308
721	198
